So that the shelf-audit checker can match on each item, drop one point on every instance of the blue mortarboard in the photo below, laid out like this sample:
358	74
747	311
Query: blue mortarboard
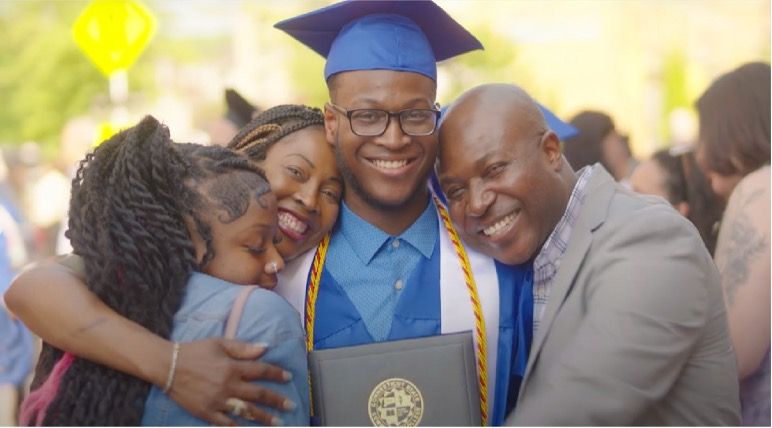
562	129
381	35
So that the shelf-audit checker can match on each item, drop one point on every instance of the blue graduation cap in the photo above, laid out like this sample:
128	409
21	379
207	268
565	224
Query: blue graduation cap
562	129
381	35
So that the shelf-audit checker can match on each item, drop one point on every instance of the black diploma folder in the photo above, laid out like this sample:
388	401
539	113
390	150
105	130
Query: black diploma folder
429	381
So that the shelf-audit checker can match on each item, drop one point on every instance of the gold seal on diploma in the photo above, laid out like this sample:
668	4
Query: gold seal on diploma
395	402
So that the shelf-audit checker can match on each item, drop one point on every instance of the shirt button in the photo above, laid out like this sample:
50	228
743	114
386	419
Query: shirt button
398	285
395	243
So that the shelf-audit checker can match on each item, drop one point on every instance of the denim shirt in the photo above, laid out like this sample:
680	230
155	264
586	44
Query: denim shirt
267	318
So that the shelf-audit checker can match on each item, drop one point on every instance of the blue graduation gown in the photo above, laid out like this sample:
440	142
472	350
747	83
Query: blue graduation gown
417	314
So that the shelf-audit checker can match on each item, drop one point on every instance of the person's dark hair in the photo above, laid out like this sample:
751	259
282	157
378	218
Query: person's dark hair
685	182
270	126
586	147
734	120
130	198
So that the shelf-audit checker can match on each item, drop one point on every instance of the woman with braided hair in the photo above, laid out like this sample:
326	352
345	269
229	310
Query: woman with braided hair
289	143
168	234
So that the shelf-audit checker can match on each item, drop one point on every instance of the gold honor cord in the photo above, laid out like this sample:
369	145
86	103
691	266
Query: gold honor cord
481	352
313	289
311	292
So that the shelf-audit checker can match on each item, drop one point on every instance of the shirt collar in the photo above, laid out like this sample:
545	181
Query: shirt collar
422	234
556	244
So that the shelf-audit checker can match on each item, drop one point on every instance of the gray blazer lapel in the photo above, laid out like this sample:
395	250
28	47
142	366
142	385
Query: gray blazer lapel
594	211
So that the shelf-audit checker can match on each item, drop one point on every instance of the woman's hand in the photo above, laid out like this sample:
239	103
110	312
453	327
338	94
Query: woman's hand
211	371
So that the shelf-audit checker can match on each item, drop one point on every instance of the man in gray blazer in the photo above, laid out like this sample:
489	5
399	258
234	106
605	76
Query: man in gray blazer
629	319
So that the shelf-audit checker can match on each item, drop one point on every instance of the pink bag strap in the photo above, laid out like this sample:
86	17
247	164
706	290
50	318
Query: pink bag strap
238	308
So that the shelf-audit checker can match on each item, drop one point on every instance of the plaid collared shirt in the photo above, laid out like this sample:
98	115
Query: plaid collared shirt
546	263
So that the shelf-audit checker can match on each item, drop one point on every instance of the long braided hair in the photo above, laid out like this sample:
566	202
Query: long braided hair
130	198
270	126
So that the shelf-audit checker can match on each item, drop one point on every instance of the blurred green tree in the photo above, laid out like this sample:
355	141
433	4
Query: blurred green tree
675	89
302	66
44	78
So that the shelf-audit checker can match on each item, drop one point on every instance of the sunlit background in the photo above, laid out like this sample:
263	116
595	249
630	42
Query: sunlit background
644	62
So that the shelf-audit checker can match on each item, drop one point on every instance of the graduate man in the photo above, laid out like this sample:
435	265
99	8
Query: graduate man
629	319
390	269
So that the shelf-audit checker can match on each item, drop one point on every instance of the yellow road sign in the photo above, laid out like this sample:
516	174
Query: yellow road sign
113	33
107	130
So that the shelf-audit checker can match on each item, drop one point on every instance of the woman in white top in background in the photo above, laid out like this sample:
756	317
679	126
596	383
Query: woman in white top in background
734	152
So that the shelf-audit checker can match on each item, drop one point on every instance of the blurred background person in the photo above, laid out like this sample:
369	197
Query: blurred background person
674	175
238	113
9	199
35	191
17	348
16	345
78	136
733	150
12	220
599	141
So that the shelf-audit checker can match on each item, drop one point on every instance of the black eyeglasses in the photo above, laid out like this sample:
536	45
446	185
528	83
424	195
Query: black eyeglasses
370	122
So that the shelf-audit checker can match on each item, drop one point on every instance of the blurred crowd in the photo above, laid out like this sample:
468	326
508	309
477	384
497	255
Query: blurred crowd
34	198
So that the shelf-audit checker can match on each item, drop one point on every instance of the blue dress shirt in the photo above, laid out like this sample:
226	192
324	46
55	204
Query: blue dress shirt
373	267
